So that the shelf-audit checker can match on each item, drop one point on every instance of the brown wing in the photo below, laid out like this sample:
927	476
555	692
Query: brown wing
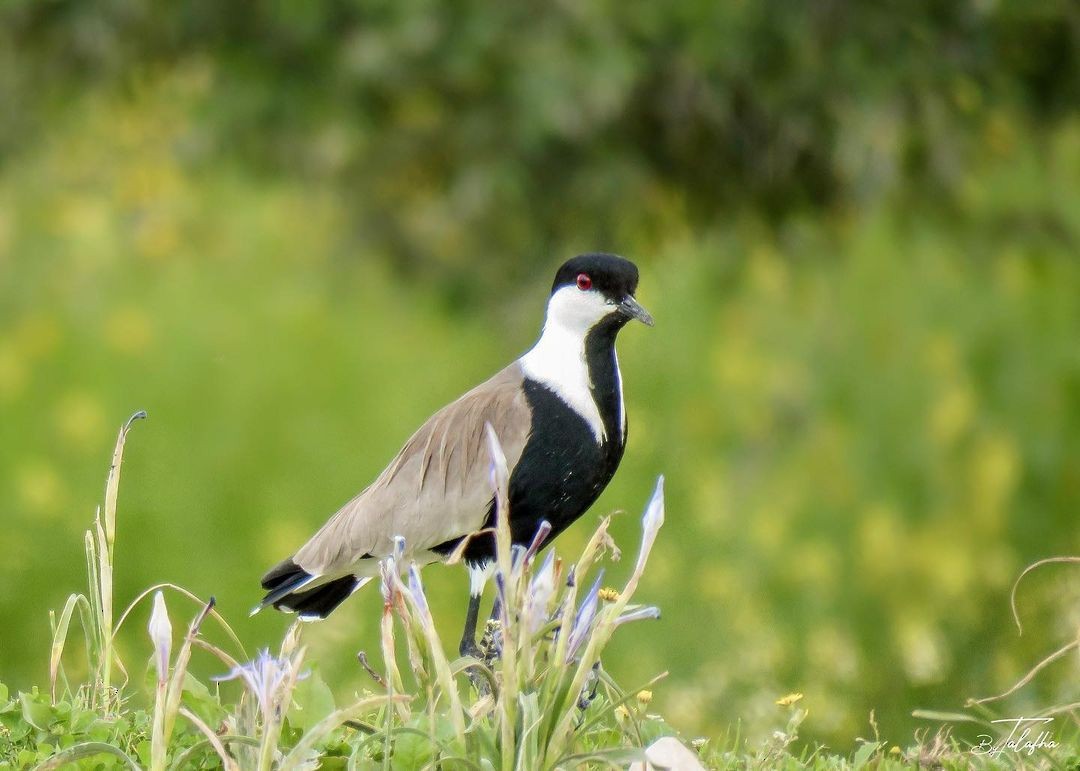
436	489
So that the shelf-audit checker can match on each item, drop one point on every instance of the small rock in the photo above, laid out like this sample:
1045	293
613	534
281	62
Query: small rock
669	753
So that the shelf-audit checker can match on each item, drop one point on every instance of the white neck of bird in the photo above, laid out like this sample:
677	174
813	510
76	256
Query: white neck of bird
558	358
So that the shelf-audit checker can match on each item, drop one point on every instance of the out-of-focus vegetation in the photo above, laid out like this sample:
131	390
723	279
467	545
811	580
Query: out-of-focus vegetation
465	131
858	228
535	696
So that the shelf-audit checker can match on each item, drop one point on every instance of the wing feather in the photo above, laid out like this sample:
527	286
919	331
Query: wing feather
438	486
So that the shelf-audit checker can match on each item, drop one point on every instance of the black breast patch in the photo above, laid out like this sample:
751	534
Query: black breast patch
561	472
562	469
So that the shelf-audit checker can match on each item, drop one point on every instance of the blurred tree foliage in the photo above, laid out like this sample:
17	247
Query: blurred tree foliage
858	225
474	130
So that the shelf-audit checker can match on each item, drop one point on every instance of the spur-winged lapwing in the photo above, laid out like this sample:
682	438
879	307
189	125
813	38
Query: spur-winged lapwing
558	413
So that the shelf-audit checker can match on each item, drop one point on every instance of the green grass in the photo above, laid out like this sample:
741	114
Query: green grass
539	698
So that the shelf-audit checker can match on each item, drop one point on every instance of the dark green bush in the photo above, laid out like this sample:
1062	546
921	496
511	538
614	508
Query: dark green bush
504	131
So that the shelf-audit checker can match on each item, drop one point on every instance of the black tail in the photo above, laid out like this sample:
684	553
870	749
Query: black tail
285	572
285	582
320	601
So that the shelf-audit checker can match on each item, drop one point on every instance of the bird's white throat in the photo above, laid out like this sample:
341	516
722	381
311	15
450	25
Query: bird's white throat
558	358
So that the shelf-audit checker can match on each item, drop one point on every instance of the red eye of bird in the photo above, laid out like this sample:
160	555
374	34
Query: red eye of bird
584	283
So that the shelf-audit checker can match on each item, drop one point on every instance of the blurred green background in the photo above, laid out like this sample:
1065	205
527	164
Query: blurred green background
858	227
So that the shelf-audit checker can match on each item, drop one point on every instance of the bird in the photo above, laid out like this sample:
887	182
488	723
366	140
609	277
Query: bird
559	415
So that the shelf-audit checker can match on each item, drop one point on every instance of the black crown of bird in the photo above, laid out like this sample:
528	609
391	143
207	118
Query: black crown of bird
557	412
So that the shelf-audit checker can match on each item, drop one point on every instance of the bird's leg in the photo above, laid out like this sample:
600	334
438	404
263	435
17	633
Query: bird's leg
478	577
490	640
468	645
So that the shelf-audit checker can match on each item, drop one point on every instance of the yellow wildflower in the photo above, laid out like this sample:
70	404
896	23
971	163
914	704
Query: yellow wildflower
791	698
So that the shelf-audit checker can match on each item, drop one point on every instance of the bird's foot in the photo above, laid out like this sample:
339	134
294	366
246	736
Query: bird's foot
589	689
480	680
488	651
491	643
469	647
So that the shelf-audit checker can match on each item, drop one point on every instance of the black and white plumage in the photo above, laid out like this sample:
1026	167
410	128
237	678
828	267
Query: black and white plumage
559	415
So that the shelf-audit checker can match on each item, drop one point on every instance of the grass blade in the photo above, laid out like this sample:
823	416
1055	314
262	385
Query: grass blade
85	750
59	639
320	730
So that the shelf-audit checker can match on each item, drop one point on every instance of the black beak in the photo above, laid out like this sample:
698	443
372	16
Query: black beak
632	309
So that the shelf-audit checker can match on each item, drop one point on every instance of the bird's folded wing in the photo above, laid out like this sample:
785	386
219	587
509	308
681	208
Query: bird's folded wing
438	488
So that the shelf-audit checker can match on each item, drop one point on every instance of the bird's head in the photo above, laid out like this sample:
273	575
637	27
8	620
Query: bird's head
591	289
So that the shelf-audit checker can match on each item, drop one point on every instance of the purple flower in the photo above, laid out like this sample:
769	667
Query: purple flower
500	476
583	620
386	571
390	569
638	614
650	524
542	532
500	598
266	678
160	629
539	594
416	590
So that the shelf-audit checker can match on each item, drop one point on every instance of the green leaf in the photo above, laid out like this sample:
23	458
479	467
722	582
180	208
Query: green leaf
863	755
652	730
183	760
86	750
312	701
616	756
198	698
195	687
412	749
82	721
34	711
143	749
16	726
